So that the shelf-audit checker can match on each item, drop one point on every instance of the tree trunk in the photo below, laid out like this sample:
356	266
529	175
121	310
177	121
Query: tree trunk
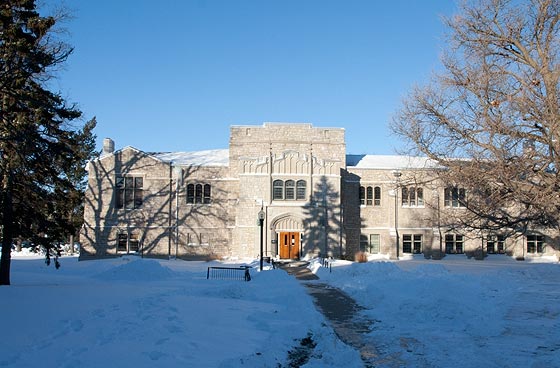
71	241
7	216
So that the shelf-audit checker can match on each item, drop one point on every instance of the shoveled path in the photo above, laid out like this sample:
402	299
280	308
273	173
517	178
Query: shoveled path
341	311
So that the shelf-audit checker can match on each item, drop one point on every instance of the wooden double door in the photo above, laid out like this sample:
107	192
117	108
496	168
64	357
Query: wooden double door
289	245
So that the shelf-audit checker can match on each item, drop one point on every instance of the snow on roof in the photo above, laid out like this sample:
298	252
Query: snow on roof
389	162
218	157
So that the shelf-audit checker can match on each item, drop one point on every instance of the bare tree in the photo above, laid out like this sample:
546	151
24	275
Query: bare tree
491	118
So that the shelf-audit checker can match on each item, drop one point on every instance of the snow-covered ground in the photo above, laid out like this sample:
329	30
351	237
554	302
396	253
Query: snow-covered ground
132	312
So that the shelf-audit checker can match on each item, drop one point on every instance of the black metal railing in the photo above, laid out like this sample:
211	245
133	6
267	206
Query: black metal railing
327	262
229	273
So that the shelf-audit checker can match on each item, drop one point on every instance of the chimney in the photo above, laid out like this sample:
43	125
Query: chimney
108	146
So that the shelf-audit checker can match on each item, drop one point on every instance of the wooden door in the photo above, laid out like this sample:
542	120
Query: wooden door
289	245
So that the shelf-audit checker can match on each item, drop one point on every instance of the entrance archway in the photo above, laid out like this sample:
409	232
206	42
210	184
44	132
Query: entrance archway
288	230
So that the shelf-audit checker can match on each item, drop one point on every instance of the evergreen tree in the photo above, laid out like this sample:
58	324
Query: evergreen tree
39	146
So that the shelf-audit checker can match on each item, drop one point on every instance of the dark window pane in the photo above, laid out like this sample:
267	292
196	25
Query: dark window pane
190	193
407	243
369	196
128	198
362	195
198	193
120	198
404	196
122	242
363	243
278	189
300	189
290	190
129	182
133	243
138	182
207	193
119	182
138	197
420	196
377	196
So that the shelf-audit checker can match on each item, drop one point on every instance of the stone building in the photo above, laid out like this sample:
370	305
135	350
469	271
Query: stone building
316	201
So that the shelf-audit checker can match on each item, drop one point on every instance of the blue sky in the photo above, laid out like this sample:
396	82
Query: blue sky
175	75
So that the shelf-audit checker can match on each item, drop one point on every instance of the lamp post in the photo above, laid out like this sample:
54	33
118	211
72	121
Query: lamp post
261	222
397	175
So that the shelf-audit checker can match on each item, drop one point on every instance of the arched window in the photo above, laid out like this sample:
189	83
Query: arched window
369	196
362	196
290	193
207	193
289	190
412	196
300	189
190	193
278	190
198	193
377	196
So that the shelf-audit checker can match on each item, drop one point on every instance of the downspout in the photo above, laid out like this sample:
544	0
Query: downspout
179	174
169	229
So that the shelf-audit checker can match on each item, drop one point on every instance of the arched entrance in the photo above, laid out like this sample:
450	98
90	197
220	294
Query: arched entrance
288	230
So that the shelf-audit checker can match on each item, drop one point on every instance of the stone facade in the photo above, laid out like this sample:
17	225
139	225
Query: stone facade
316	200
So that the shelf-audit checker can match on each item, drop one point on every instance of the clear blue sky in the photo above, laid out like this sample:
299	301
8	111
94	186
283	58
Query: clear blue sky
174	75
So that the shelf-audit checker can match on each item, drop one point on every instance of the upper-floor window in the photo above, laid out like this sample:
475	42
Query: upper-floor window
130	192
289	190
370	196
412	196
454	197
199	194
535	244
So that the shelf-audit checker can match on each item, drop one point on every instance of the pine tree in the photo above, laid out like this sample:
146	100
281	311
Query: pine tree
38	142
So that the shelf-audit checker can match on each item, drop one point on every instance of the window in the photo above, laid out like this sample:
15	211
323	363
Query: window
412	243
195	240
278	189
454	197
300	190
207	193
199	193
370	245
128	243
377	196
495	244
370	196
412	196
363	243
453	243
289	190
129	191
535	244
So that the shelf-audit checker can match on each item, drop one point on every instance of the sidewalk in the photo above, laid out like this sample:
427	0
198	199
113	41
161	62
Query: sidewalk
340	310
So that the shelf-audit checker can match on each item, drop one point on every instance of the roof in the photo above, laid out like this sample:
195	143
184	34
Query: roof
217	157
389	162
